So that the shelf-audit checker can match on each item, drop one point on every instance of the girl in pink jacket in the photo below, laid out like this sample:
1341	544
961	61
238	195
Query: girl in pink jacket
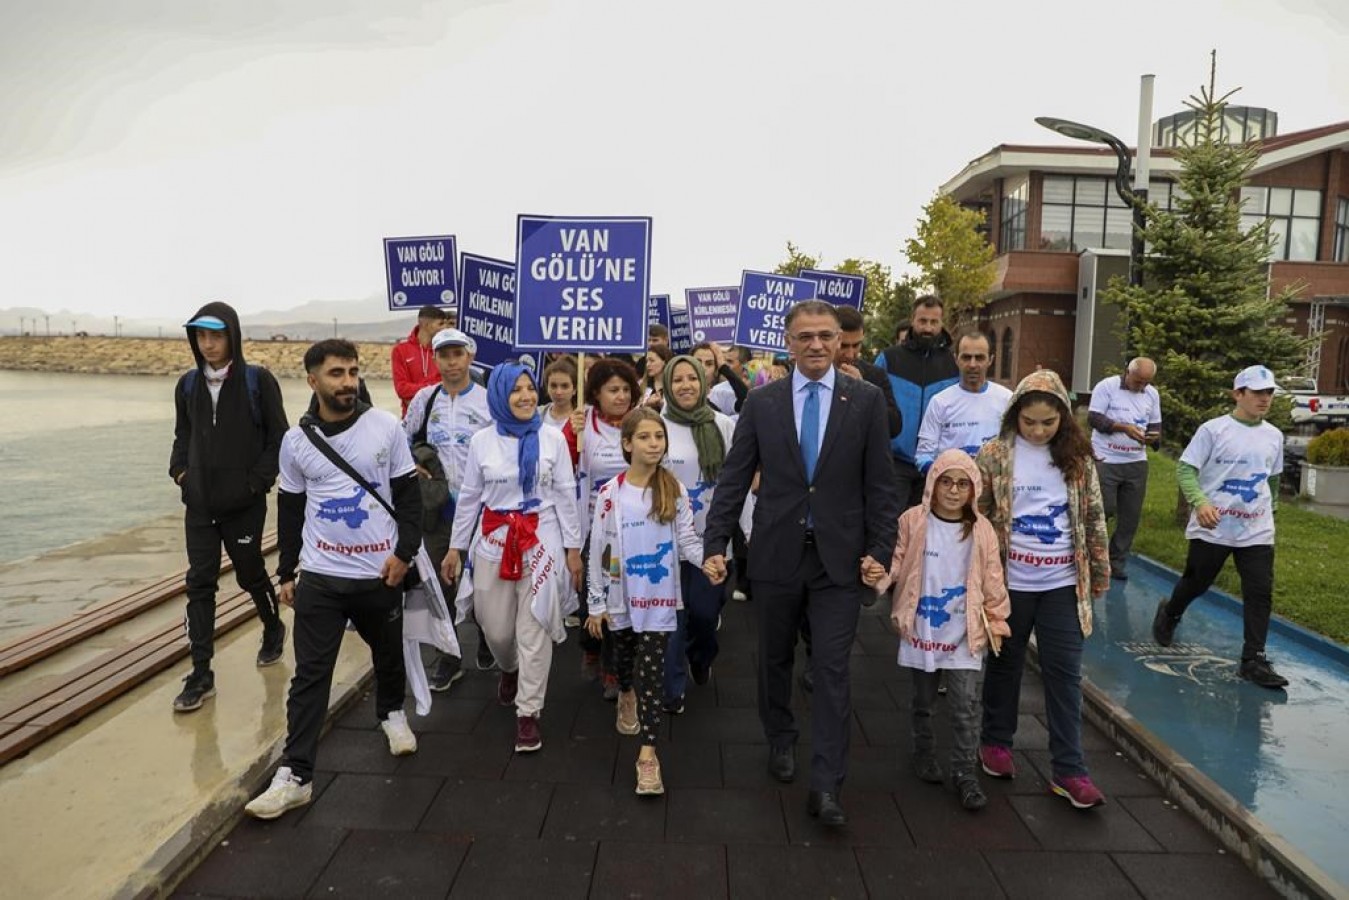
949	604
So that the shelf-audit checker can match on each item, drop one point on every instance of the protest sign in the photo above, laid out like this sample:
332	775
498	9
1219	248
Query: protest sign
582	283
681	338
764	301
487	310
712	313
658	313
421	271
837	288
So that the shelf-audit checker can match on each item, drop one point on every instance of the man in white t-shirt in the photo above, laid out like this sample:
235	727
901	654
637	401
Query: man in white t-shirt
446	416
1125	416
968	414
1230	475
353	556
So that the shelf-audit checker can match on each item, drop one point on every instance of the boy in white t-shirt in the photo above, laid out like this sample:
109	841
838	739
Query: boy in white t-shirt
1230	475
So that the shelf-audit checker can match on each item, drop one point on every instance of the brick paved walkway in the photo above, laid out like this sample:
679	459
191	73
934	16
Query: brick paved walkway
465	817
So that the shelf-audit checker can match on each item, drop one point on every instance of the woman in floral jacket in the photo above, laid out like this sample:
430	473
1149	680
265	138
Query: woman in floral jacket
1041	493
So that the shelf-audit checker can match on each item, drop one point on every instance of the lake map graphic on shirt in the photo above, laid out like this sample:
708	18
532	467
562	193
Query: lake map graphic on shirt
933	607
345	509
1245	488
696	493
650	565
1043	527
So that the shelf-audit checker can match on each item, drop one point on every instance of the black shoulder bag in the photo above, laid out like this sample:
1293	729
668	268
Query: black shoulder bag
412	579
436	489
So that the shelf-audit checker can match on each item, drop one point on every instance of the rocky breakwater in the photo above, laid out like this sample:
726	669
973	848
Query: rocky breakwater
153	356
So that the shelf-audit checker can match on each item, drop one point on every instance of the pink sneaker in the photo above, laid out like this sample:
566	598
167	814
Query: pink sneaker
506	688
527	736
997	761
1079	790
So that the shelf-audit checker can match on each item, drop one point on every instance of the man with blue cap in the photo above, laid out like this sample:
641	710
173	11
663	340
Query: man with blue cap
226	440
1229	473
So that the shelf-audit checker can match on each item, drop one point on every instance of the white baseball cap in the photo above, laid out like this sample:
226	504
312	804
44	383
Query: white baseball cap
1254	378
453	337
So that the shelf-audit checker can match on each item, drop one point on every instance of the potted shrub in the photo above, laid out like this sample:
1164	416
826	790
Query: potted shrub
1325	476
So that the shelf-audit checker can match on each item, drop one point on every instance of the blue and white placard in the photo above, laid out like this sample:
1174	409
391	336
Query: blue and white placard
421	271
765	299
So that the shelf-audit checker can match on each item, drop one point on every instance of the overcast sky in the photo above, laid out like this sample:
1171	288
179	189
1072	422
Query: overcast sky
157	154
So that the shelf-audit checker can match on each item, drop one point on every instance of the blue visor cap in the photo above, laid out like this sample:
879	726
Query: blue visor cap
210	323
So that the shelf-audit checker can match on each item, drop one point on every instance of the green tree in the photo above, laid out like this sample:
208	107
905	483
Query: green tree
1204	312
884	305
953	258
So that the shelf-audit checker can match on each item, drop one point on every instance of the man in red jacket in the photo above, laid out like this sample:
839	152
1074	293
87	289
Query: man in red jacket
413	361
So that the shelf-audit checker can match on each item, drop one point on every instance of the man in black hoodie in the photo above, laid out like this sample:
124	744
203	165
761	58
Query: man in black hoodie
226	438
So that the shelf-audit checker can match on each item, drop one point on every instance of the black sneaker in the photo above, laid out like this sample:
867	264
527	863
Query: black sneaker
926	768
445	672
700	674
197	689
273	642
971	793
674	707
486	661
1259	671
1164	625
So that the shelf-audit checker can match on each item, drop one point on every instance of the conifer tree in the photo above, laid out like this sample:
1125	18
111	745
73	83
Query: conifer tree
1204	312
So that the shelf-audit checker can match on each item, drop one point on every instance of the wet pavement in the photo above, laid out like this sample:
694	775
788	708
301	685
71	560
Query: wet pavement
466	817
1280	754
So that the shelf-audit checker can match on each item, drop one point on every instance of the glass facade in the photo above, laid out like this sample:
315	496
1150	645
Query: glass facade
1082	211
1012	234
1294	216
1239	124
1342	231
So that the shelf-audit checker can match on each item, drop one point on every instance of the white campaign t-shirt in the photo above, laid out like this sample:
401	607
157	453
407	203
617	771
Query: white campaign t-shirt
722	397
961	419
454	419
648	565
601	459
1113	400
1040	552
682	460
346	532
492	480
1235	462
940	638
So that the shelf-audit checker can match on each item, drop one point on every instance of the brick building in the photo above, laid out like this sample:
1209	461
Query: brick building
1062	232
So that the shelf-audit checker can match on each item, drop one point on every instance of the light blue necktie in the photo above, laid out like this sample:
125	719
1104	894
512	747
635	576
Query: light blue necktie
810	429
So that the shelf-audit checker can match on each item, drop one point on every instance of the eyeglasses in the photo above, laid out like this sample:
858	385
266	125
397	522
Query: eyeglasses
960	484
810	337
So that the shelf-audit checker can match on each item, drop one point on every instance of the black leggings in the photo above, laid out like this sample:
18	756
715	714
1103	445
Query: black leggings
644	652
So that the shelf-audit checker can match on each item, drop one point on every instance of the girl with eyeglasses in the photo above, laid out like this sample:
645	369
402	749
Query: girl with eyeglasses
949	603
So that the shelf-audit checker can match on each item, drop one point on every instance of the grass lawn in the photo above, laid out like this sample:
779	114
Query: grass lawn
1311	556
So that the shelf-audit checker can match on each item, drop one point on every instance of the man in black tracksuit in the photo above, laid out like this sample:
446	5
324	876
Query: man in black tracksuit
226	438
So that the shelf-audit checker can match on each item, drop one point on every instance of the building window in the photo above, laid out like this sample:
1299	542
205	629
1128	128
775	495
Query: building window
1082	212
1342	231
1012	234
1294	217
1005	364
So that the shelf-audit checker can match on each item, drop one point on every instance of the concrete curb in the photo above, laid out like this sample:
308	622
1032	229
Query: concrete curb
177	857
1287	871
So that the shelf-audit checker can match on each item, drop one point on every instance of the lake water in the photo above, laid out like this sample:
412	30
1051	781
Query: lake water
85	455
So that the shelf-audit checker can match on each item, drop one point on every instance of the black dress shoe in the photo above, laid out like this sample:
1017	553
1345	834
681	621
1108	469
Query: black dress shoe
782	764
824	806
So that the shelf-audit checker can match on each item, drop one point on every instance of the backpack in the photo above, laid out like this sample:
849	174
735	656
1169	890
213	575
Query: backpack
254	392
436	505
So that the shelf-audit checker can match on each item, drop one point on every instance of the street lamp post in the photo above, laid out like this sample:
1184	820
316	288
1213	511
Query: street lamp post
1135	196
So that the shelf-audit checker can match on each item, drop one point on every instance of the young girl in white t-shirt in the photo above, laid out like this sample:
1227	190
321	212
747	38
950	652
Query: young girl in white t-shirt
949	604
560	381
643	528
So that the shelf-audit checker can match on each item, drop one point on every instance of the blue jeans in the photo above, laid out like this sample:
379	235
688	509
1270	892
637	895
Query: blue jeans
1053	616
695	639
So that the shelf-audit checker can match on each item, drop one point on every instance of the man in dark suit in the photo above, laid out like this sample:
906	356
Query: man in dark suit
824	521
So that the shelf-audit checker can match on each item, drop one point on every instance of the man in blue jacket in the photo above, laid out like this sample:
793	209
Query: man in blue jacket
919	368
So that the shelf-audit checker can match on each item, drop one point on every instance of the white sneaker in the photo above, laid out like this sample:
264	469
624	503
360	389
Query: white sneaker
402	741
284	793
739	595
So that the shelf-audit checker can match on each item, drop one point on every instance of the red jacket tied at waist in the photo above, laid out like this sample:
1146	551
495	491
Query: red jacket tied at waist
521	534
